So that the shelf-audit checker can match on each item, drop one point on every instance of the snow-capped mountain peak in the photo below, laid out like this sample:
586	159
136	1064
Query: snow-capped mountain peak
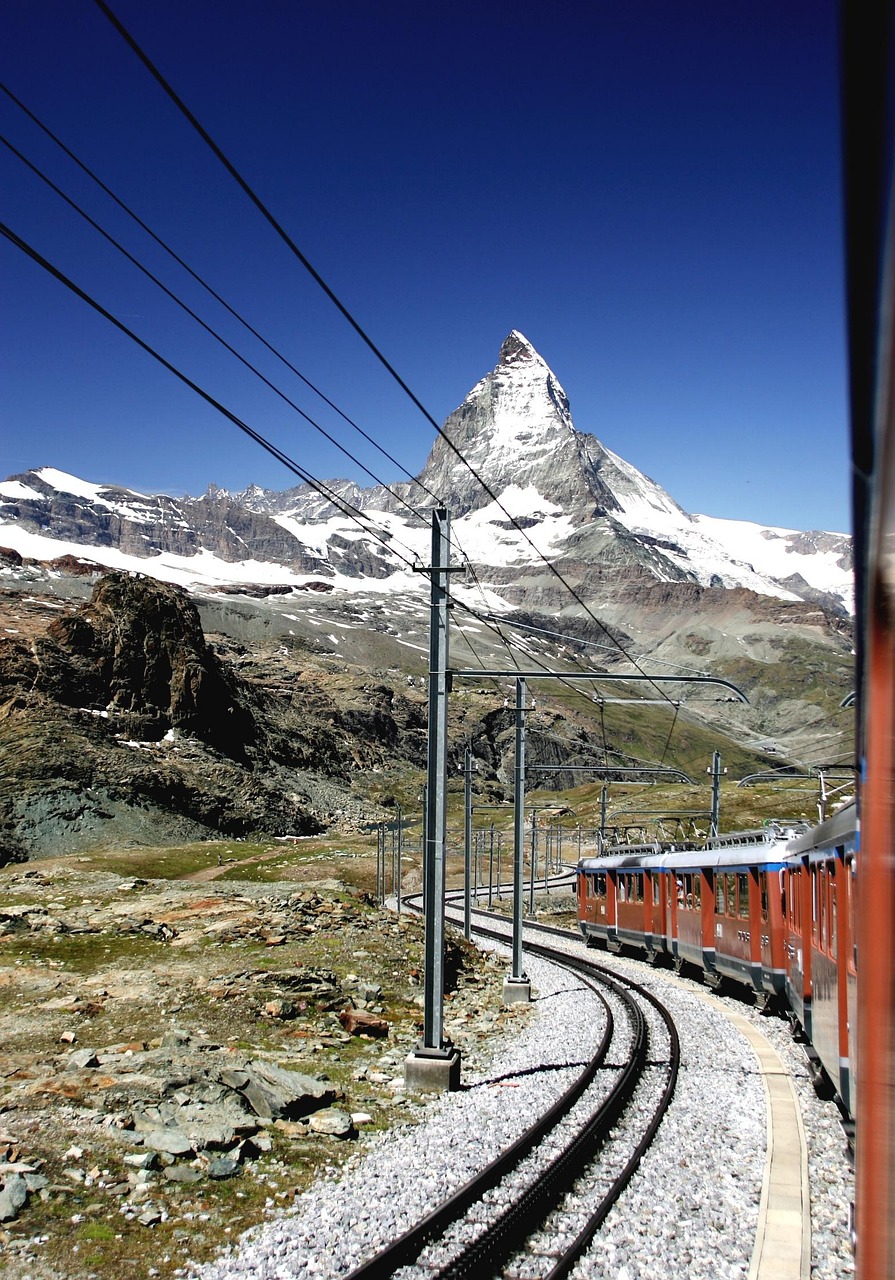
535	487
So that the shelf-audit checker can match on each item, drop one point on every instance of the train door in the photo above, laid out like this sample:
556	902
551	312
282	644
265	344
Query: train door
824	968
708	926
656	898
612	911
795	985
840	949
850	962
755	884
671	923
772	895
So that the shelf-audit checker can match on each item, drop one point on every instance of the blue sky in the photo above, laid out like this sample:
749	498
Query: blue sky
650	192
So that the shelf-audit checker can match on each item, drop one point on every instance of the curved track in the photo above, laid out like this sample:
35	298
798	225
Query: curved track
537	1206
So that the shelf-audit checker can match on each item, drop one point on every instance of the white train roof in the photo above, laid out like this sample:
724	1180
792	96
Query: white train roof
768	847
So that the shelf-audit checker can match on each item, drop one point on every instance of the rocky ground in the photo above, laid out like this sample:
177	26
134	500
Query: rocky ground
181	1058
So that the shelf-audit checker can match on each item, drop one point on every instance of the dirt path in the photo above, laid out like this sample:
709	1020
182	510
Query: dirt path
214	873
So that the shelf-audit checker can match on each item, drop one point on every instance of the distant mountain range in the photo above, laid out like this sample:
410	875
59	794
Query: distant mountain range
602	522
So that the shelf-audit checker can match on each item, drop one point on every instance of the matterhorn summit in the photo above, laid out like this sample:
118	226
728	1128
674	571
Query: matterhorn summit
515	430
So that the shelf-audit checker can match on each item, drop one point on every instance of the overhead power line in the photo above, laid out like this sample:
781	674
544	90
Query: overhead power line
317	485
163	244
207	327
272	449
353	513
294	249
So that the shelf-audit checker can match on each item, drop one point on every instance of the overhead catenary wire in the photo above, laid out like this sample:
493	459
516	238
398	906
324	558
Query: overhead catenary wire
318	486
204	325
163	244
492	623
597	644
336	301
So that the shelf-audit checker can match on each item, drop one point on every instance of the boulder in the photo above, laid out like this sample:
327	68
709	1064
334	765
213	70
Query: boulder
358	1022
333	1123
13	1197
275	1093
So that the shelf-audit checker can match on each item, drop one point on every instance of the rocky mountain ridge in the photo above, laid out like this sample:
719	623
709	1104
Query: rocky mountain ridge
329	600
549	491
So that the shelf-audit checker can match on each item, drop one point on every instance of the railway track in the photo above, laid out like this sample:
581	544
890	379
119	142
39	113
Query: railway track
534	1210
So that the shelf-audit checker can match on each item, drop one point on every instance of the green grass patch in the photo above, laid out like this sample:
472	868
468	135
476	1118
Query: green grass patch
95	1231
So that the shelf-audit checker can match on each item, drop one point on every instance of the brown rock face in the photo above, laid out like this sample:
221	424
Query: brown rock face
137	650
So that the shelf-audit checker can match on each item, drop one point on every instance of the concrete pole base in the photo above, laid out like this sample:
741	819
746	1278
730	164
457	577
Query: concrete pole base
516	990
432	1071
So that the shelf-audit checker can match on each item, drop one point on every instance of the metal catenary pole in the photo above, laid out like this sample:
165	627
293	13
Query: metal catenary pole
467	841
715	771
517	974
532	864
491	867
436	786
400	853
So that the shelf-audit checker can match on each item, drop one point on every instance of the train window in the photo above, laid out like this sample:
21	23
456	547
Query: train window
833	941
763	890
719	895
731	895
657	891
697	891
600	884
743	895
815	911
630	887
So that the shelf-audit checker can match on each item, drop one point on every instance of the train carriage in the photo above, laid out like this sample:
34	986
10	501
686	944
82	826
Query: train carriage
718	908
821	980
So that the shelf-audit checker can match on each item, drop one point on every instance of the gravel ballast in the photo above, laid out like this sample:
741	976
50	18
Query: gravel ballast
692	1208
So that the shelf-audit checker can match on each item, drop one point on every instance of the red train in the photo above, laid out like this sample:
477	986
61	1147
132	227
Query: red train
772	910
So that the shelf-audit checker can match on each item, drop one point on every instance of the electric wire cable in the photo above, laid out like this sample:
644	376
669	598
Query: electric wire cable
212	291
320	489
207	327
670	732
607	648
293	247
317	485
497	622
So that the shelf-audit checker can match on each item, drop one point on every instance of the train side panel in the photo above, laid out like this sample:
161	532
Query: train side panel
797	985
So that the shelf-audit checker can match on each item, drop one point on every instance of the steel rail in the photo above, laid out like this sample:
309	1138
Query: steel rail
597	1215
404	1251
507	1235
